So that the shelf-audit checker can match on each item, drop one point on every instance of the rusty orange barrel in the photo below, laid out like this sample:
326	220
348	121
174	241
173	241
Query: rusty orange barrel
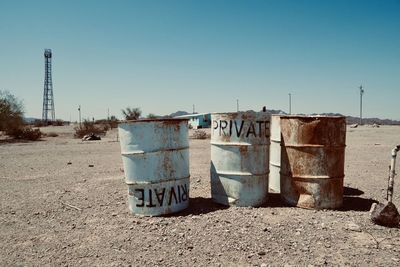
155	155
239	156
312	161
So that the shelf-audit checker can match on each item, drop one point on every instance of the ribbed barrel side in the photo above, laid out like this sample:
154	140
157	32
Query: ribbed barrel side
275	155
239	158
155	156
312	161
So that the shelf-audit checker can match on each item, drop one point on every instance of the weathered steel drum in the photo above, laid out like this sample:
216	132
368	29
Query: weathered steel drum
275	155
239	156
312	161
155	155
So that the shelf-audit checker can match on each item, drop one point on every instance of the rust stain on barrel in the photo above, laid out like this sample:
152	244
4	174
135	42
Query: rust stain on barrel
312	159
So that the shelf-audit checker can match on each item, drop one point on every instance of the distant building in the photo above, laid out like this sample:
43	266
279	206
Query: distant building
198	120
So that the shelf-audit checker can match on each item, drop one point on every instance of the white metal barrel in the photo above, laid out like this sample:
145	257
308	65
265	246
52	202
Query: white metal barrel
275	155
239	158
155	155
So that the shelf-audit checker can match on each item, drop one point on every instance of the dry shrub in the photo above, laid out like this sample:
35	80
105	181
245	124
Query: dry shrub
113	123
58	123
25	133
200	134
39	123
107	124
105	127
88	127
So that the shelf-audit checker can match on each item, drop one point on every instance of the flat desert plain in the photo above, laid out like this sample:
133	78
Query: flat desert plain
64	203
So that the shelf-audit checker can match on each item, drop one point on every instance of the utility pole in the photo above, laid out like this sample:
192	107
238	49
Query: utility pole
80	120
361	94
290	103
237	105
193	109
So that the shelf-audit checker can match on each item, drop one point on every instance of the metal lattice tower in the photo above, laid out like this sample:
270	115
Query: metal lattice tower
48	113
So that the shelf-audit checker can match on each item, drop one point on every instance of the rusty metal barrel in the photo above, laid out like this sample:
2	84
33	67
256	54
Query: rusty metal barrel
155	156
275	155
312	161
239	156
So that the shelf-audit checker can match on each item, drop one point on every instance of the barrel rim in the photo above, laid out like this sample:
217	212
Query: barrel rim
276	115
152	120
311	117
240	112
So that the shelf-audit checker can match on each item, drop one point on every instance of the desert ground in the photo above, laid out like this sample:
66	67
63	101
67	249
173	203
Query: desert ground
64	203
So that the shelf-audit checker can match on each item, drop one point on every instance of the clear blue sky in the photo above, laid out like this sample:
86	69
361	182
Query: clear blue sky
164	56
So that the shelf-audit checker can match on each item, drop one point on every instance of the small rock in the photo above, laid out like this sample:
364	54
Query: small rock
385	214
91	137
190	247
91	165
353	227
69	163
261	253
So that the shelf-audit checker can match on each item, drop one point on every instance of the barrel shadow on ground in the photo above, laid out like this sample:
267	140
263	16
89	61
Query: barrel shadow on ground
350	191
201	205
350	203
357	203
16	141
274	201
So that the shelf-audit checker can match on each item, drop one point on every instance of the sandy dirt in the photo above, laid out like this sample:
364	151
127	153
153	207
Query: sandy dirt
57	210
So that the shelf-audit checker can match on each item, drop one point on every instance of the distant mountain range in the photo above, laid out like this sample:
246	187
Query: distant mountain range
349	119
30	120
178	113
